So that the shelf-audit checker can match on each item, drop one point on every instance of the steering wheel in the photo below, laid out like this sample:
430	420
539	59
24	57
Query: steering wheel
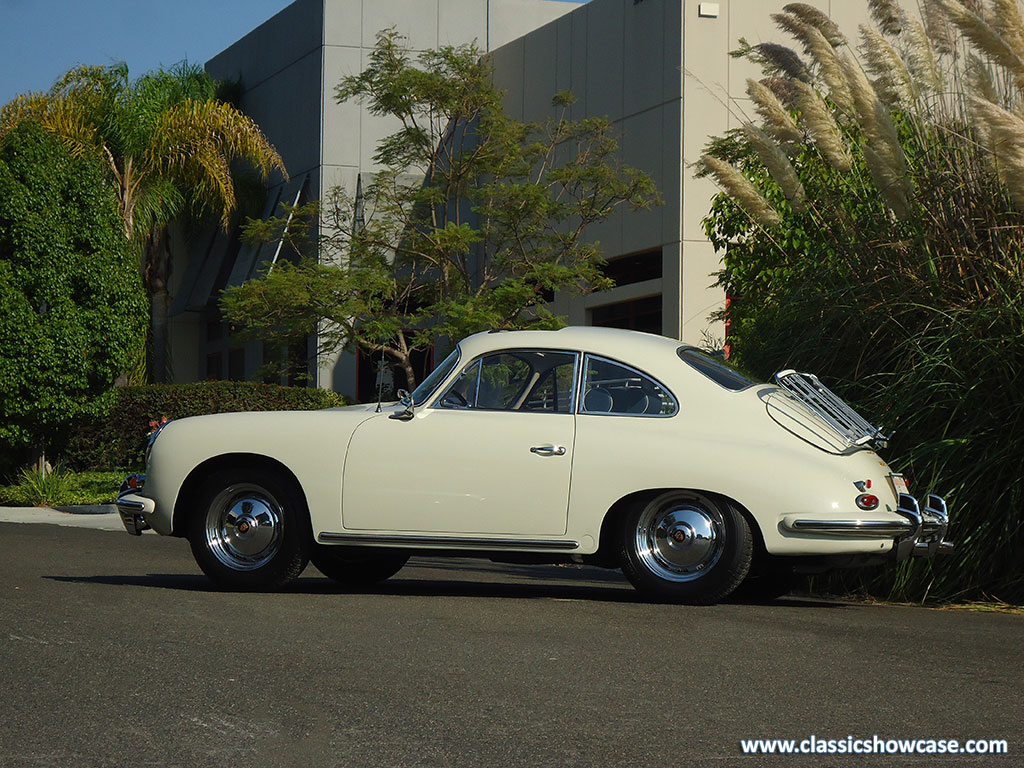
455	397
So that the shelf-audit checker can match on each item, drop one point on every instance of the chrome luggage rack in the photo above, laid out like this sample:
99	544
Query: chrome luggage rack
846	422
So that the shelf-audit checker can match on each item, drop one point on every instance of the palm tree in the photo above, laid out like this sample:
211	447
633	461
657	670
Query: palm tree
167	143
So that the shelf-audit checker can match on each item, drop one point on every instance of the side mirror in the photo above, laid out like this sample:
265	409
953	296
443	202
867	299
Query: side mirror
405	399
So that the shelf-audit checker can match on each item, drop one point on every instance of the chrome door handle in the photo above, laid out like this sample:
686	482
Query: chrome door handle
548	450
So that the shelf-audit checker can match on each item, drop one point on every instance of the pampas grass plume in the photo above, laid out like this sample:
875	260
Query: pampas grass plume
778	166
887	65
818	119
886	14
784	60
920	58
777	119
985	38
818	19
739	188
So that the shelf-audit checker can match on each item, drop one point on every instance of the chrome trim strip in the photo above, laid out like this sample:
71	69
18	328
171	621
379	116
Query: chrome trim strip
881	528
446	542
130	506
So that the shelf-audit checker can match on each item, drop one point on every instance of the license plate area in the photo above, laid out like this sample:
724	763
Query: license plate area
899	484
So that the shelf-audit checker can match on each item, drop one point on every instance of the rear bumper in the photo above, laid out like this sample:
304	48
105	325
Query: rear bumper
927	536
921	532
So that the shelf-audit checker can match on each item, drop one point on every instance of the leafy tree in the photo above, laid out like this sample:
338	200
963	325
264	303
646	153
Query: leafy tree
73	302
166	144
873	229
472	221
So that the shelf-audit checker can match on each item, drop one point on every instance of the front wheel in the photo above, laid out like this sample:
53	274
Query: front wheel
250	530
685	547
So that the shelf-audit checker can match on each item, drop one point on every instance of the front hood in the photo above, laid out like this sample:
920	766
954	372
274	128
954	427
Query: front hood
363	407
285	423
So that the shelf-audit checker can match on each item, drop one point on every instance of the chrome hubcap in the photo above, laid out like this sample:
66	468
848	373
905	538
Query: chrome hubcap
679	538
244	527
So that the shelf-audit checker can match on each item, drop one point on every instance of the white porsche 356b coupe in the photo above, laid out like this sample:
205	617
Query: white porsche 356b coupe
592	445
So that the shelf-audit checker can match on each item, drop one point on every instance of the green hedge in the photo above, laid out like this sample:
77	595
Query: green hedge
118	437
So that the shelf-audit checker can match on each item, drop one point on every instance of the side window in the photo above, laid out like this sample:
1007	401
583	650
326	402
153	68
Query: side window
515	380
613	388
462	393
503	379
553	390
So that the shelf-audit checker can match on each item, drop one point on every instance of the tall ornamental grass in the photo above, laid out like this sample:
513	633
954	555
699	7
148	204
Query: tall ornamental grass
872	220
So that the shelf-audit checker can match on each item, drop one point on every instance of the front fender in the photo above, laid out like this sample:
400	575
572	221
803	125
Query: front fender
310	445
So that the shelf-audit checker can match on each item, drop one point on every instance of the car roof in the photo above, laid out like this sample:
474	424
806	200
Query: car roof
628	346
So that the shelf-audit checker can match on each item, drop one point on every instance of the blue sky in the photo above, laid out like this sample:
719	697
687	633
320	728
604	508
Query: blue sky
42	39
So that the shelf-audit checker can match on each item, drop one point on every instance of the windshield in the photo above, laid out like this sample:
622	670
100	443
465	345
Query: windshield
426	388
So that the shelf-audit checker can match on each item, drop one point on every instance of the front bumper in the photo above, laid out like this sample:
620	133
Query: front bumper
921	533
133	507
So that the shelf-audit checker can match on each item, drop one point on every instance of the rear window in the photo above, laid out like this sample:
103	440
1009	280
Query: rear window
716	370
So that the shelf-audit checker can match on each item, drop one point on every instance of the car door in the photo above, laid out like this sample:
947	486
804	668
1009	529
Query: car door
491	456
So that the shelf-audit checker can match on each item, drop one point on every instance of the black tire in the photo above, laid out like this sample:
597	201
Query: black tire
685	547
770	584
250	530
358	566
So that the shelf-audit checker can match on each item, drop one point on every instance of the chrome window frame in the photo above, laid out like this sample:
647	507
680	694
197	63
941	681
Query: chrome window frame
455	367
583	373
576	355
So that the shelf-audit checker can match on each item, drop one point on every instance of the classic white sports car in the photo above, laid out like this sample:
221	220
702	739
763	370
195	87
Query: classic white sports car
591	445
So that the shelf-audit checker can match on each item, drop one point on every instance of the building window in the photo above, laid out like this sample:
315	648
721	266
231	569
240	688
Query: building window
214	326
635	268
636	315
236	364
213	363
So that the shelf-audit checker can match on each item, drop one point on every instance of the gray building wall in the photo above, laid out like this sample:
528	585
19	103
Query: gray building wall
714	98
622	61
288	68
661	71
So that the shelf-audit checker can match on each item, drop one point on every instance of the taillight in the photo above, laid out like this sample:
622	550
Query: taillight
867	501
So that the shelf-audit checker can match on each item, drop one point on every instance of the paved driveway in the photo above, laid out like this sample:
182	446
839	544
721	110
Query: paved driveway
114	651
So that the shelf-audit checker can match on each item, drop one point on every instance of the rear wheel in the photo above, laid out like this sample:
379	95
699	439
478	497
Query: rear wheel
685	547
250	530
358	566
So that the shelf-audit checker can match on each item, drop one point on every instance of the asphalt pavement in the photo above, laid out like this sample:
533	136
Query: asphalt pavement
116	651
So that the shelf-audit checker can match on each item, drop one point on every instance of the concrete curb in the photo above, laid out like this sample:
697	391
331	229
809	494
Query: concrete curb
47	515
89	509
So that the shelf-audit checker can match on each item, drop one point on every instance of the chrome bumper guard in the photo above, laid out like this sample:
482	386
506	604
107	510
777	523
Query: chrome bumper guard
921	534
131	507
927	536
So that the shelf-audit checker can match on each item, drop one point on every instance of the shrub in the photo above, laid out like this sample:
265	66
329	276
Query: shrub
35	489
117	438
62	488
73	305
874	227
